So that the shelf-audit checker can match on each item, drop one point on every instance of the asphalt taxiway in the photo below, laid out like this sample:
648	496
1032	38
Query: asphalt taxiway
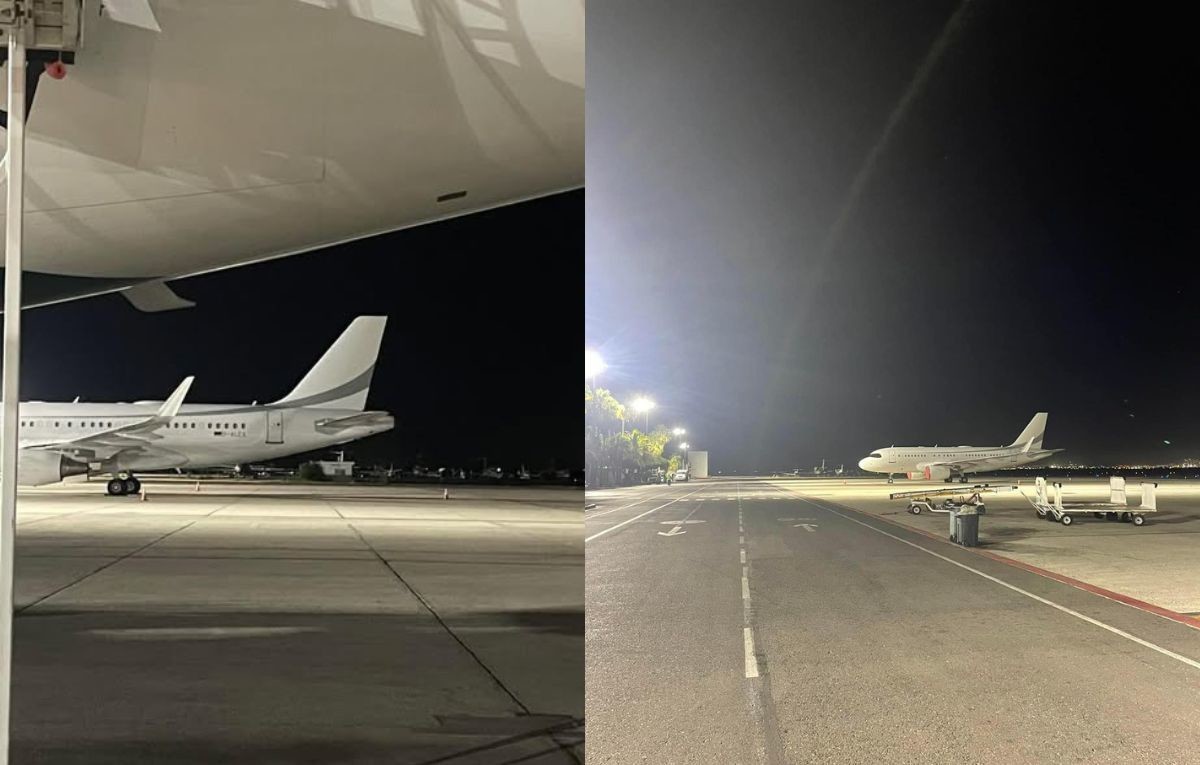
269	622
751	621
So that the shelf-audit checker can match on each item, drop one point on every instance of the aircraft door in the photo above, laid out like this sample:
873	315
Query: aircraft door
274	426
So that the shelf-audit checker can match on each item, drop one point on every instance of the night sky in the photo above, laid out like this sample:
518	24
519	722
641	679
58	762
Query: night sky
1024	238
481	355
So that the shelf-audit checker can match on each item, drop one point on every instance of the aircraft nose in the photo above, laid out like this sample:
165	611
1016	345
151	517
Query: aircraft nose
863	463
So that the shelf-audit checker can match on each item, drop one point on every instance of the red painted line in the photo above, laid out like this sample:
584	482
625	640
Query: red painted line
1166	613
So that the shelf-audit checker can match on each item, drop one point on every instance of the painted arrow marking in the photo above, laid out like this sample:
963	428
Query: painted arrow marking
807	526
678	530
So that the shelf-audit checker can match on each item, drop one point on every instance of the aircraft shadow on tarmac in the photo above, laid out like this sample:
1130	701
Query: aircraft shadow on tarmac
126	686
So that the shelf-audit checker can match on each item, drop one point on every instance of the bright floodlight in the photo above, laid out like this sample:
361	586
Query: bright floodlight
593	364
642	404
683	446
679	431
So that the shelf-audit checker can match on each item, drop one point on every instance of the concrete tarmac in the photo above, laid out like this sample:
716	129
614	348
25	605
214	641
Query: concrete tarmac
267	622
846	639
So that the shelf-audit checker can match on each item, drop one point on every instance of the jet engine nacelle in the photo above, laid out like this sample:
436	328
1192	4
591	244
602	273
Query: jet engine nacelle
36	467
936	473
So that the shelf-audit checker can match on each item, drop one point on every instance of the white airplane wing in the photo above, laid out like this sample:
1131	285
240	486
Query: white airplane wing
135	435
960	466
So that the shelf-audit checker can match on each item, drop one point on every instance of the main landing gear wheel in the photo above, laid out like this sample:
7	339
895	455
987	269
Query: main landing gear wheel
1066	520
119	487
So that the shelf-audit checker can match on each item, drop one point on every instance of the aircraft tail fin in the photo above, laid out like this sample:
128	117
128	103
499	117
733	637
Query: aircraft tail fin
1031	436
341	378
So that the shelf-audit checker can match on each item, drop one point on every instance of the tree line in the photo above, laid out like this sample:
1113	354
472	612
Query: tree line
617	453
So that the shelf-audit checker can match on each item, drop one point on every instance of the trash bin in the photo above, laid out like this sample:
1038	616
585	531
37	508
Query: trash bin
966	529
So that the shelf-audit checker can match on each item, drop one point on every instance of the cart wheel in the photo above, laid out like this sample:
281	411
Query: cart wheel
1097	515
1138	520
915	509
1124	517
1066	520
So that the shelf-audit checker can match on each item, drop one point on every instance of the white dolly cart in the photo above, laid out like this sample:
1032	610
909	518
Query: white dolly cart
1116	509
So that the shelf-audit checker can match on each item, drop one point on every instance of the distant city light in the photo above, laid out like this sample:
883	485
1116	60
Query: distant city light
679	431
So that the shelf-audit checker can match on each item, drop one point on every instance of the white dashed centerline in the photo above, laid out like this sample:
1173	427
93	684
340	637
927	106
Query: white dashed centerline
751	662
747	628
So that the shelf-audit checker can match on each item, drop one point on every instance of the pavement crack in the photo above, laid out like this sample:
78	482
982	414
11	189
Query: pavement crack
560	745
93	572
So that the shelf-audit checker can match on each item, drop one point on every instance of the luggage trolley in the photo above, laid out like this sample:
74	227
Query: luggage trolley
1116	509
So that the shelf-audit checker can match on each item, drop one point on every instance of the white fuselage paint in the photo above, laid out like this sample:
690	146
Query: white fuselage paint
914	459
245	131
200	435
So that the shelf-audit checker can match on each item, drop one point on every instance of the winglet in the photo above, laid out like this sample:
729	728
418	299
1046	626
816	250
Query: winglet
171	406
155	296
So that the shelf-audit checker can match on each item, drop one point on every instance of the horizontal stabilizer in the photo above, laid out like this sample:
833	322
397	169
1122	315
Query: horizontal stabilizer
361	419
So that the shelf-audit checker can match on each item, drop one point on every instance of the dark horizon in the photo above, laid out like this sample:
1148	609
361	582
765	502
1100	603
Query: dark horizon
481	349
1014	242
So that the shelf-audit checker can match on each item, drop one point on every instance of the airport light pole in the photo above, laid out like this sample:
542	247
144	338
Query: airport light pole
643	405
685	454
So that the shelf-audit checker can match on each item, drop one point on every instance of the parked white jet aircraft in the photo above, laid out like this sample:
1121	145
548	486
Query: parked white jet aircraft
325	408
950	462
192	136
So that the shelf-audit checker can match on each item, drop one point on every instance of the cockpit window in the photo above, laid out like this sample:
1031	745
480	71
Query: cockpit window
877	455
